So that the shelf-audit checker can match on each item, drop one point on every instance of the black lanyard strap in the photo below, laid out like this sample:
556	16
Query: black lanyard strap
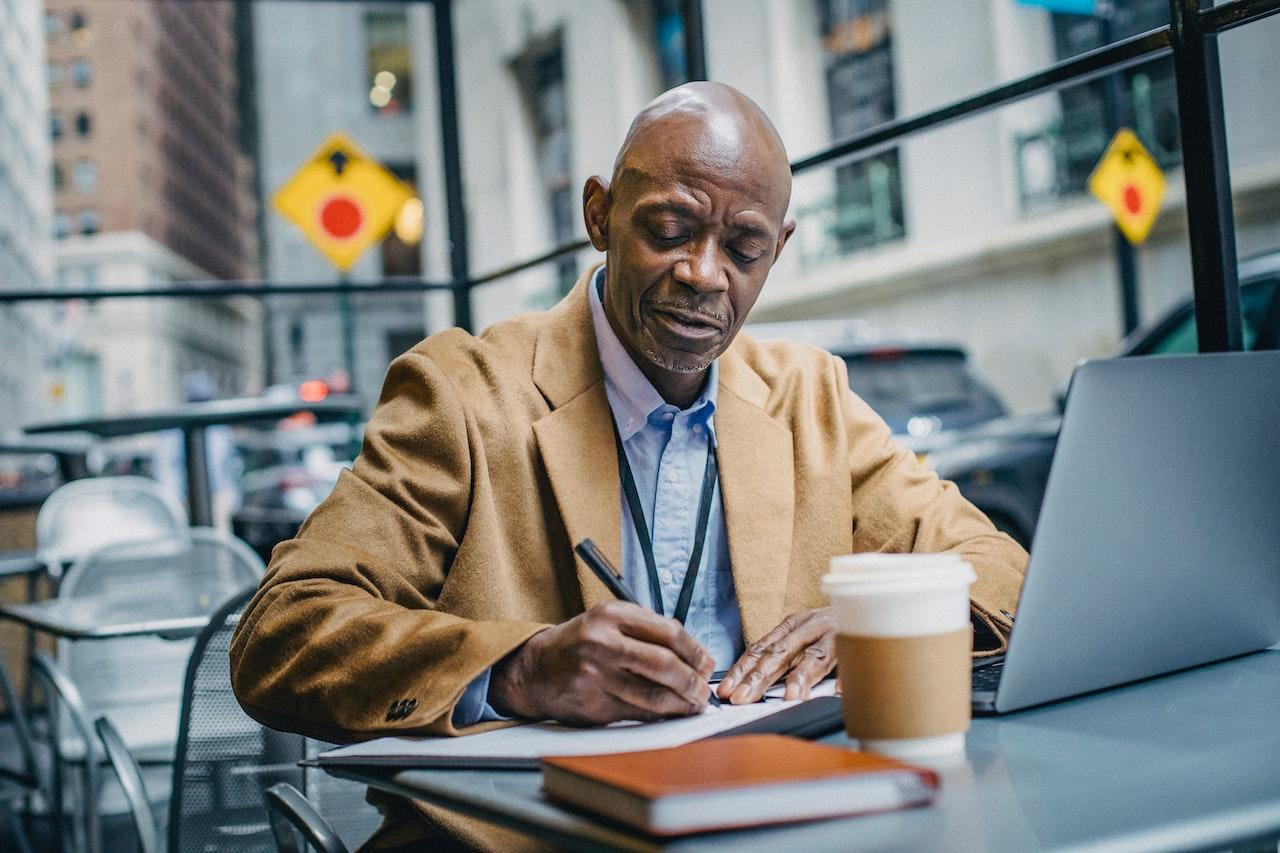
646	541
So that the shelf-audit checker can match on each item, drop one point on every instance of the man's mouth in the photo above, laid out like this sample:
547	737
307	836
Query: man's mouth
685	324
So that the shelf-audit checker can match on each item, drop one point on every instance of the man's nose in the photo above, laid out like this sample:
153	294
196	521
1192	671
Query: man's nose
703	268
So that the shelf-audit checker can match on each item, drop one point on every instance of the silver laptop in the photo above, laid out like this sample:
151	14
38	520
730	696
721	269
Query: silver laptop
1158	545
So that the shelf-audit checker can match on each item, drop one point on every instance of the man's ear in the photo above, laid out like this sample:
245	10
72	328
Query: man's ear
788	228
596	200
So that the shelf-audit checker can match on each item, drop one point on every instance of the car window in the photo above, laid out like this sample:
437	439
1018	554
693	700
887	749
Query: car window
1254	299
900	383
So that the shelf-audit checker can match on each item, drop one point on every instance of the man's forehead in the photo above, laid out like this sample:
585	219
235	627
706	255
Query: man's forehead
677	181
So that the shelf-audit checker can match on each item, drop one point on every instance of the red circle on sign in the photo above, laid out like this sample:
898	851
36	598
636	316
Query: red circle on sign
1132	199
340	217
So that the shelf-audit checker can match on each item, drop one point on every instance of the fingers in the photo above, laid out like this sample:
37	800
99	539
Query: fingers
660	667
779	651
815	663
645	625
649	700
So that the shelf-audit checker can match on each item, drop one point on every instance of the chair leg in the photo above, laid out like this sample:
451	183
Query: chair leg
15	825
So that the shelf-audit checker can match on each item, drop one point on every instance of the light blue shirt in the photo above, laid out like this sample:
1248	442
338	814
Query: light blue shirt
667	451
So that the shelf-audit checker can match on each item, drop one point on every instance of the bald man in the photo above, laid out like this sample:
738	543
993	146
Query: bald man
436	590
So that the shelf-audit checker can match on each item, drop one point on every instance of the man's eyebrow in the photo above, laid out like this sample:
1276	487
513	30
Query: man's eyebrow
664	205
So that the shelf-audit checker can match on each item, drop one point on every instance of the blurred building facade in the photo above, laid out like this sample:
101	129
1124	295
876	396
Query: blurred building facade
979	233
322	68
26	203
151	188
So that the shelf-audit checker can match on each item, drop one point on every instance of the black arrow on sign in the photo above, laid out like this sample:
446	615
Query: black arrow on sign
339	161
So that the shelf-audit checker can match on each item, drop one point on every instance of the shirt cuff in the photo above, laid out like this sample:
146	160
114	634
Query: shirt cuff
474	705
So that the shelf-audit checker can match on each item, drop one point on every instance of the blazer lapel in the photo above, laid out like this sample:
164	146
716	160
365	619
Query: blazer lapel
576	439
576	443
757	487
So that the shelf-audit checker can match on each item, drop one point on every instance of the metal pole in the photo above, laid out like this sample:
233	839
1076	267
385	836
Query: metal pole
695	45
1113	116
347	318
199	499
1210	221
451	149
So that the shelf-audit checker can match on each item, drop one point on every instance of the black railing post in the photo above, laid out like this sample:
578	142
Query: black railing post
1210	222
695	45
1113	116
451	149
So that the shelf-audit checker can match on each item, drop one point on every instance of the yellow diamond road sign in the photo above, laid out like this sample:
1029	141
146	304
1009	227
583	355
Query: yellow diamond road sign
1129	182
343	200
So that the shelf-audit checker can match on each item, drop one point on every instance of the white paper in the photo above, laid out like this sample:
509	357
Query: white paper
536	740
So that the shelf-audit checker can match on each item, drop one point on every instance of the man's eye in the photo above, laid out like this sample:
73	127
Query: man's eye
669	234
745	254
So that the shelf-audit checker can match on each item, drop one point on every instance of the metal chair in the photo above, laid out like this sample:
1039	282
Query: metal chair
224	758
291	815
84	515
136	681
19	785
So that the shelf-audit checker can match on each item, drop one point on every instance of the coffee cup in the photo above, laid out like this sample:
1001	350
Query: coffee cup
903	648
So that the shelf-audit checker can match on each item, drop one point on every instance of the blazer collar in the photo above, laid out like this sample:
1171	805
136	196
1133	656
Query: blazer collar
577	447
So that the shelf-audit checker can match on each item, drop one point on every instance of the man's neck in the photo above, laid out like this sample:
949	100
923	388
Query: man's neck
678	389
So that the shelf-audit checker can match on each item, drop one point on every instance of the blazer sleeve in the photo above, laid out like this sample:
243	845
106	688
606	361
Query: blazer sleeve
344	640
901	506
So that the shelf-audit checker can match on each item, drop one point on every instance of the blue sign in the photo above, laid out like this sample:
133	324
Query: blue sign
1068	7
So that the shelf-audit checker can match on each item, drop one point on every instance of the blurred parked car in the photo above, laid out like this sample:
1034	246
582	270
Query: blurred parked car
1003	466
286	474
921	389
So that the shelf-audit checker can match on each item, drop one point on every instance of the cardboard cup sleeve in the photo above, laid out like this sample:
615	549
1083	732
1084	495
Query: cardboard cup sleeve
905	687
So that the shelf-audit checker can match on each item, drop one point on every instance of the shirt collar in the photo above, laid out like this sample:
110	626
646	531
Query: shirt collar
632	397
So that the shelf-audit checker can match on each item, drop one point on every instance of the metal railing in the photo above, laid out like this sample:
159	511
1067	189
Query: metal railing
1190	38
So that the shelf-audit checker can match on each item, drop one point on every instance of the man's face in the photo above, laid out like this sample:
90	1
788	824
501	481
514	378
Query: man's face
690	241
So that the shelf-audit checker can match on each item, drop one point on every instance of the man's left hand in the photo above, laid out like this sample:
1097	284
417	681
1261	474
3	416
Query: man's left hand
803	648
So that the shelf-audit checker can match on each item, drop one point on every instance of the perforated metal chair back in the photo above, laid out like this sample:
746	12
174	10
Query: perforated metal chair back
137	681
225	760
85	515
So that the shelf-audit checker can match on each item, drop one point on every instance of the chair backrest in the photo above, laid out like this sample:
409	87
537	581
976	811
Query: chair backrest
84	515
137	681
225	760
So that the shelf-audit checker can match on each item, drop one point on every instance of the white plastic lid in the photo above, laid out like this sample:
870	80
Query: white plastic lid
886	573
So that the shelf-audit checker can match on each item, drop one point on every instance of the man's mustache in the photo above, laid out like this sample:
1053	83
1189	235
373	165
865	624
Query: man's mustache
712	317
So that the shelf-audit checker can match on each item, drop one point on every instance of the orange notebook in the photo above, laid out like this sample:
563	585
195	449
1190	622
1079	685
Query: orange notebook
731	782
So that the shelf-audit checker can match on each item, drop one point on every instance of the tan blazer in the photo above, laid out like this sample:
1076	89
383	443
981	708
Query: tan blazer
488	457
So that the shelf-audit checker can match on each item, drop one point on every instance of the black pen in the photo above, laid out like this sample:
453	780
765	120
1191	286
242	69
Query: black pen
608	575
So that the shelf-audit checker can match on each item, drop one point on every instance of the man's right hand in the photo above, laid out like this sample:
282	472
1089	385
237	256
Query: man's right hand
617	661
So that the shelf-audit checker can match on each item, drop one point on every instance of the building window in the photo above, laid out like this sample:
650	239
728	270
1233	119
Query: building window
858	61
668	42
387	62
84	125
87	222
1055	161
82	73
52	25
79	26
55	125
59	177
85	176
61	225
541	73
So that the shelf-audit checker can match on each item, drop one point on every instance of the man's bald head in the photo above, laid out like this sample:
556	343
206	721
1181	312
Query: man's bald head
712	121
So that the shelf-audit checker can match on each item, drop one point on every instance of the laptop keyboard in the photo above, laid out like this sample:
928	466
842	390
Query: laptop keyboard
986	678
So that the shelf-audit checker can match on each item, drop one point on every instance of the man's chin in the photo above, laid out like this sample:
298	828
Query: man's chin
678	361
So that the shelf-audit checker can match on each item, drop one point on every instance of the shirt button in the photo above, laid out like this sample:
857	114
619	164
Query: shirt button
697	428
672	477
667	577
667	416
